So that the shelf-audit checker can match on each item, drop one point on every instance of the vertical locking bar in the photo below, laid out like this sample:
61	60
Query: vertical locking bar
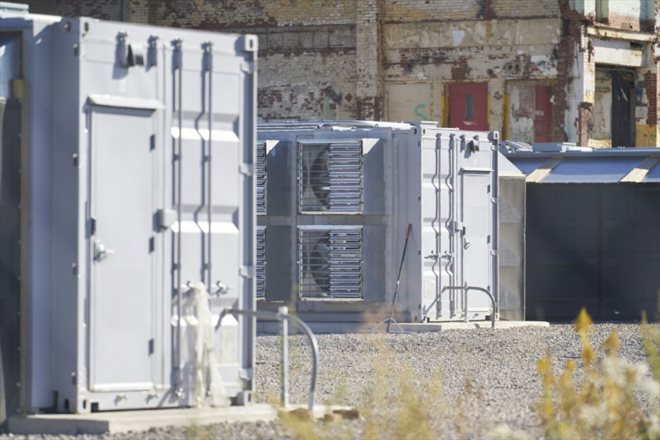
177	71
437	269
284	365
208	68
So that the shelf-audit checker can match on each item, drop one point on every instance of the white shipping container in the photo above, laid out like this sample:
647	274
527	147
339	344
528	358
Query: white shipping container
134	207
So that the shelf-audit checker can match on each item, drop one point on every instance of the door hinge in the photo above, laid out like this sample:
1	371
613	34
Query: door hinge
165	218
247	67
246	271
246	169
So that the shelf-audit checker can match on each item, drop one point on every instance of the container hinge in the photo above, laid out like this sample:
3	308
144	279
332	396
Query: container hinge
208	56
246	169
247	67
152	51
177	55
246	271
165	218
458	226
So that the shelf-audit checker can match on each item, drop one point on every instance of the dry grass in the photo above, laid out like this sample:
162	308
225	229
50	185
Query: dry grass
607	403
603	396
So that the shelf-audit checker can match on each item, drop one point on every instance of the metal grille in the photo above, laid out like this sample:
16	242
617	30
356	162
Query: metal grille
261	177
330	176
330	263
261	262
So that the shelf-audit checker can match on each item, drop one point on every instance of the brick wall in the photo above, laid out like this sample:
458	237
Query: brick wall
395	58
449	10
227	14
106	10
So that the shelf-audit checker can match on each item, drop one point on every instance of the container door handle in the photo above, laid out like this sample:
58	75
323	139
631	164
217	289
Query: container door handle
100	251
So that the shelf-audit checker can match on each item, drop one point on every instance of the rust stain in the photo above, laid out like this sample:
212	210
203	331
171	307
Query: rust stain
460	70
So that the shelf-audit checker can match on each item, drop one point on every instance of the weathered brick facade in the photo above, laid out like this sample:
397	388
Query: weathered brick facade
395	59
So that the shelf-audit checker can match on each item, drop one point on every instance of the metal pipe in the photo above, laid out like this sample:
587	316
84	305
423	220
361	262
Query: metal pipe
263	314
466	289
465	307
284	365
398	278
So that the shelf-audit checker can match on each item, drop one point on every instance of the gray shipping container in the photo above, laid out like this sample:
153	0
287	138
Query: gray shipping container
337	200
133	204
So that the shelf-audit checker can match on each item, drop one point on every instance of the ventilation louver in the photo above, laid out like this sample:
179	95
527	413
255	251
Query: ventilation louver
261	177
330	177
261	262
330	262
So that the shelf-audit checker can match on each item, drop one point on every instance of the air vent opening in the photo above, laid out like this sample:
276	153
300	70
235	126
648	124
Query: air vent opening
261	262
330	177
261	177
330	262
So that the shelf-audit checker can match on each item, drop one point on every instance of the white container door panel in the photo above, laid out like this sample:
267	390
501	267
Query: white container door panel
121	322
476	214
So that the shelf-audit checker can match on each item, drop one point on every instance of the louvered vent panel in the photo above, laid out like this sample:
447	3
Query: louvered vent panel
330	176
330	263
261	262
261	177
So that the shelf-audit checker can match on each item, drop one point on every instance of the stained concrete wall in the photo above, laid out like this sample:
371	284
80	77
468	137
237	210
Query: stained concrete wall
393	59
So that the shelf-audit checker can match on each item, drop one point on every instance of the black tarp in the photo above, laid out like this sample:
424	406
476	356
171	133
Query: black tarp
595	246
10	123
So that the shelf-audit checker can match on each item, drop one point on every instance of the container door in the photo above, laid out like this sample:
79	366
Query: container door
476	215
438	214
121	319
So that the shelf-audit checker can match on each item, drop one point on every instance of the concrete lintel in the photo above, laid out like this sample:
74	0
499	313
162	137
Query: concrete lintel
123	421
620	34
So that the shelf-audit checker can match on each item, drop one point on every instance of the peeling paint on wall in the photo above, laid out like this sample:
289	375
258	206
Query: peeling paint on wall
335	58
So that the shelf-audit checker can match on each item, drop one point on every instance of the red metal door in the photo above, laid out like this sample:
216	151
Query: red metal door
468	106
543	114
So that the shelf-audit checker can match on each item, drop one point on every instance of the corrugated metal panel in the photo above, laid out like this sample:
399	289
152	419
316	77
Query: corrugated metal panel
261	177
331	262
331	177
511	249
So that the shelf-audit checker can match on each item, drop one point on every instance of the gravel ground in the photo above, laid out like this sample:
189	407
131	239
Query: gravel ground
486	377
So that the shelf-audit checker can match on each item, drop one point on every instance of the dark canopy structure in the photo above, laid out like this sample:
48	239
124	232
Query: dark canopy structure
592	233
